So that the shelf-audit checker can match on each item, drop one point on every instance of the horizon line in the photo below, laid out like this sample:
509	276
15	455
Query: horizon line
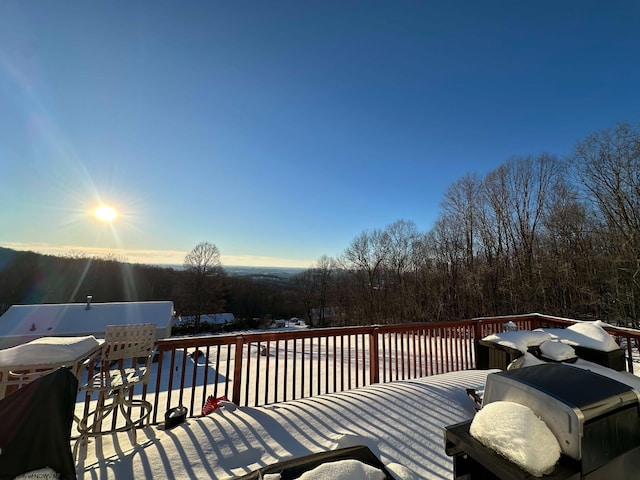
155	257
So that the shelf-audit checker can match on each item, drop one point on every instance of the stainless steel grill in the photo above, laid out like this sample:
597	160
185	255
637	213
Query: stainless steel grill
595	419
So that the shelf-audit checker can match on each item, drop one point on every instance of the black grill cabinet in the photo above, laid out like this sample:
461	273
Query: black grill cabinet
595	419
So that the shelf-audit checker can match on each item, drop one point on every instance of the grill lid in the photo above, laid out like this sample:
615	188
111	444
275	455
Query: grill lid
593	394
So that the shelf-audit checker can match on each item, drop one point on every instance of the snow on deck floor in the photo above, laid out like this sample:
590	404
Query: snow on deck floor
401	422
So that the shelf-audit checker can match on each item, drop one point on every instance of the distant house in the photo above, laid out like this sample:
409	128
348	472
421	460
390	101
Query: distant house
210	318
22	323
218	318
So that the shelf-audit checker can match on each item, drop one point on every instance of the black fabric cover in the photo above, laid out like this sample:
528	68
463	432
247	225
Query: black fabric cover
35	426
293	468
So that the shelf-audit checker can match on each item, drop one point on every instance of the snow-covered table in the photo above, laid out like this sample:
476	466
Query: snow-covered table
588	341
24	363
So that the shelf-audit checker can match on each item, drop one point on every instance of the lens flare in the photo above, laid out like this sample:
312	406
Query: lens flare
105	213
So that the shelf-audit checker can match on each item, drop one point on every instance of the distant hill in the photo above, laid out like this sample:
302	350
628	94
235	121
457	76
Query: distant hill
248	271
281	272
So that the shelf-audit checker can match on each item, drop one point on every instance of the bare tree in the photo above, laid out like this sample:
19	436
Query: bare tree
517	194
325	271
447	241
461	207
570	280
314	287
461	201
365	258
607	165
206	280
402	237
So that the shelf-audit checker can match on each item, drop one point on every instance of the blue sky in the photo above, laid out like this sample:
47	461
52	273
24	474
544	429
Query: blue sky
281	130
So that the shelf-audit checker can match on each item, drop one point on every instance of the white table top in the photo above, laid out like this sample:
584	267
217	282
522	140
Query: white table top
49	350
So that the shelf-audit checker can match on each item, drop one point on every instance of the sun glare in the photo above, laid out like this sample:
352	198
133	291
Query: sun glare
105	213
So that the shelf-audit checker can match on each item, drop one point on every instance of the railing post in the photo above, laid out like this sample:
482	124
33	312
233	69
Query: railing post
629	355
477	329
237	370
158	375
477	335
374	370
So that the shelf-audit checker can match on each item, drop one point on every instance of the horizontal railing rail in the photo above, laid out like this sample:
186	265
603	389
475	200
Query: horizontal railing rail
260	368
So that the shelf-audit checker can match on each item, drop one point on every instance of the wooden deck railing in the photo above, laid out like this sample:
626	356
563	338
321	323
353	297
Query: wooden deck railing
253	369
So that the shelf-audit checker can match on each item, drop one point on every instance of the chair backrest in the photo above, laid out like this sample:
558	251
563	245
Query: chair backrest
128	341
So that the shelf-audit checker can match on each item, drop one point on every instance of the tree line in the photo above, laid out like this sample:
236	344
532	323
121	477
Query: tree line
538	233
201	286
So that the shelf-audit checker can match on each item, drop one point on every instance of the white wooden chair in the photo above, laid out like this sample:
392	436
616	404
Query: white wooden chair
126	359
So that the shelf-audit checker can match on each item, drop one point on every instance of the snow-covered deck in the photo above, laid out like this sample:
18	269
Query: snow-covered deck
401	422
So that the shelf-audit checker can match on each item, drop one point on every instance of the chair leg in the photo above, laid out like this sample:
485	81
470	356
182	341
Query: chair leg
130	424
76	447
119	401
126	406
99	414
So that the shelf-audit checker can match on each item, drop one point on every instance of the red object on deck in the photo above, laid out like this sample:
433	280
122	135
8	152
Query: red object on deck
212	403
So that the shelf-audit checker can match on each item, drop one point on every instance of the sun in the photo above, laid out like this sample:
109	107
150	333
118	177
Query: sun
105	213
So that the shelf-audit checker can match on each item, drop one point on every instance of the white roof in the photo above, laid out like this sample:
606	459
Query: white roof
25	322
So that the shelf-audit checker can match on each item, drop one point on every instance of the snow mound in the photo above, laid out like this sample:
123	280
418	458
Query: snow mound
349	439
500	427
520	340
400	472
594	336
526	360
584	334
558	351
344	470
